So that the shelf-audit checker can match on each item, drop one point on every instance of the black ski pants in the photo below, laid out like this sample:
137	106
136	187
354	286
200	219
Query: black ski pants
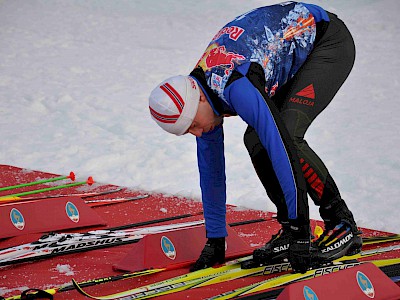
299	102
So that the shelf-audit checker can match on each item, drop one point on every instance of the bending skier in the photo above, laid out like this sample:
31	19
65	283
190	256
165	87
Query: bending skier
276	67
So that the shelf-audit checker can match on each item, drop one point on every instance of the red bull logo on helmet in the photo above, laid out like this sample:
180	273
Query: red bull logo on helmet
218	57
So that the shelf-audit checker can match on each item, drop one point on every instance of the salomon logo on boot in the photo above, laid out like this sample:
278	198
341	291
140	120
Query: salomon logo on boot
281	248
340	241
276	249
338	244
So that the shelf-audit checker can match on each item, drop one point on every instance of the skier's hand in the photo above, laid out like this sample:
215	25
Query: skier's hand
213	253
299	255
300	247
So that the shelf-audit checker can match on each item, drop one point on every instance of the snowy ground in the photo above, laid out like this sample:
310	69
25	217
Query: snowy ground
75	77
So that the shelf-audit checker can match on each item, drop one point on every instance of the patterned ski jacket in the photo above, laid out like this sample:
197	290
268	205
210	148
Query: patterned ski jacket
248	60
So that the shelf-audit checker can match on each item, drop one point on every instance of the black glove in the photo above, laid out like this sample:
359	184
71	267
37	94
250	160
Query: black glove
300	249
299	255
213	253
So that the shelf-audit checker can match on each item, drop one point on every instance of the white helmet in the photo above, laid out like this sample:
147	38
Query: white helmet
173	103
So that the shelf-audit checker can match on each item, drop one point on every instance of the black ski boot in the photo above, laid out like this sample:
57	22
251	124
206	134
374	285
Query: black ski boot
341	236
213	253
340	241
276	250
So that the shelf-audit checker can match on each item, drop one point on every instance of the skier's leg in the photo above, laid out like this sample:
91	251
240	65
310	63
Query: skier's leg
301	100
263	167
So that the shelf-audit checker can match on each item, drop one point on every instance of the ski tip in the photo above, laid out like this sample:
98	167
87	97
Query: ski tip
71	176
90	180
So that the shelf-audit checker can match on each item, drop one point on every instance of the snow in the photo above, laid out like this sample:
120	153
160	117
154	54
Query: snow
65	269
75	77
